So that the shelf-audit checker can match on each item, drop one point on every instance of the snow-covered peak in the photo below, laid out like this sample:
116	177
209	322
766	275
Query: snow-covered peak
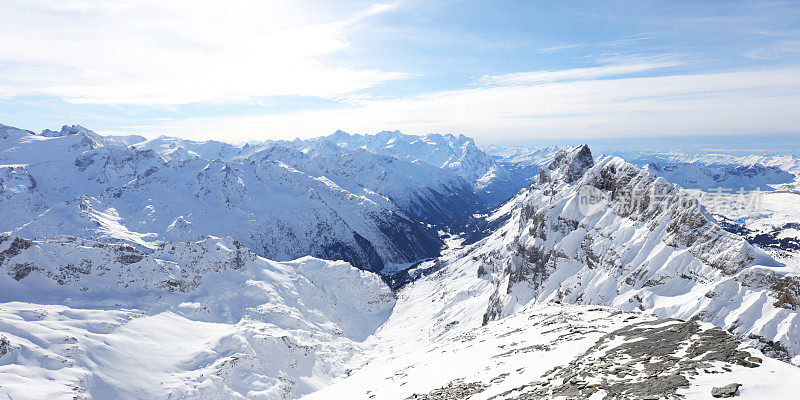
323	147
370	209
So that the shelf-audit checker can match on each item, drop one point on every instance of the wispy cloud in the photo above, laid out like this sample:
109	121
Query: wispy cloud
372	10
556	49
774	51
536	77
773	32
620	42
627	41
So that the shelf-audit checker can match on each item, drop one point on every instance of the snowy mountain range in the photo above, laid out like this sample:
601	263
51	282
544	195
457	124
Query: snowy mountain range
284	200
143	268
713	170
492	182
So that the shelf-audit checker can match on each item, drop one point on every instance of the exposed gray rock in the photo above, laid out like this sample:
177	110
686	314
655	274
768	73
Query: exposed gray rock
645	365
568	165
726	391
5	346
454	390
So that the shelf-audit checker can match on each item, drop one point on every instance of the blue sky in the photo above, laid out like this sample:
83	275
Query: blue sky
500	71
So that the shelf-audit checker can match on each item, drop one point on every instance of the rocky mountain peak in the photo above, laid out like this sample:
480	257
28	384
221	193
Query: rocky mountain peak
568	165
65	131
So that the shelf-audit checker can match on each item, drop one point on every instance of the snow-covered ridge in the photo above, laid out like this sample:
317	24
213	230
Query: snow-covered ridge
219	274
493	320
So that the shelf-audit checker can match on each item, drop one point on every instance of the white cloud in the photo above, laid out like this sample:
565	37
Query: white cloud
761	101
177	51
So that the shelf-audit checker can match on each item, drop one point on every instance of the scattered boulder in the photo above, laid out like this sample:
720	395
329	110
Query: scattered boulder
726	391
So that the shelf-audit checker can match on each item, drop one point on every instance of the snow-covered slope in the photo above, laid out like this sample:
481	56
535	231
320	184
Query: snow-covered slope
768	220
207	319
424	192
566	352
175	148
493	320
278	211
